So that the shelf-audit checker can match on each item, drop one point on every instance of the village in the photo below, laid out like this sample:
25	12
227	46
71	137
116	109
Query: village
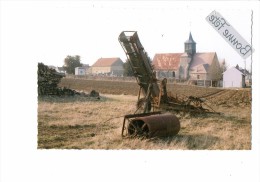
190	67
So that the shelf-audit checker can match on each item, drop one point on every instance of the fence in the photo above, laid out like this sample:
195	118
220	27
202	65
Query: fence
205	83
119	78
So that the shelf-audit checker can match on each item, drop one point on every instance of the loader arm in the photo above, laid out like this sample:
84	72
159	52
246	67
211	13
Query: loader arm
139	62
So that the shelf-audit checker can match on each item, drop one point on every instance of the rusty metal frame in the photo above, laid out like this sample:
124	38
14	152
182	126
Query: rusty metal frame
131	116
155	92
146	125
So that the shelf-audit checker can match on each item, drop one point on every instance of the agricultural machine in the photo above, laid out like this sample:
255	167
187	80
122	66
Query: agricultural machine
148	120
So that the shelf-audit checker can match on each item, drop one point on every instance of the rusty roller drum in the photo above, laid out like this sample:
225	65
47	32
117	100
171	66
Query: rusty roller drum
155	125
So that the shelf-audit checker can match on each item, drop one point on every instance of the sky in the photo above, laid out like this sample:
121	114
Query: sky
51	30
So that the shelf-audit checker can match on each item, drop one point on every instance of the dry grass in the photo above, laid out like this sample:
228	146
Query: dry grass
83	123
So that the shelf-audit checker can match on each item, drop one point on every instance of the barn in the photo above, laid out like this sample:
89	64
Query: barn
108	66
233	77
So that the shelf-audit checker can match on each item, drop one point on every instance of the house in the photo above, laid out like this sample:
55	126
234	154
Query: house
80	71
60	70
108	66
248	75
188	65
233	77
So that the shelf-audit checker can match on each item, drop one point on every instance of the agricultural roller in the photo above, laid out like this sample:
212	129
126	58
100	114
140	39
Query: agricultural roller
146	121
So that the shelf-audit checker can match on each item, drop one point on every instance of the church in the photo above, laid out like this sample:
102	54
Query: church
189	65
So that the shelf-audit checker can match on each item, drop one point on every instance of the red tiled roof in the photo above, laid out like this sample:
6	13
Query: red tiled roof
167	61
104	62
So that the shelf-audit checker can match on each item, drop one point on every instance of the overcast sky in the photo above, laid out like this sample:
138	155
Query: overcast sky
49	31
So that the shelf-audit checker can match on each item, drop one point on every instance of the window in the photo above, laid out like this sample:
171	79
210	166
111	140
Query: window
198	77
173	74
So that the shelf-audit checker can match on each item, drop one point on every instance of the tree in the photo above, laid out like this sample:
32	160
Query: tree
215	70
71	62
223	66
127	69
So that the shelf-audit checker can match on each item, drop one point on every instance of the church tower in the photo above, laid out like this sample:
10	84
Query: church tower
190	46
186	58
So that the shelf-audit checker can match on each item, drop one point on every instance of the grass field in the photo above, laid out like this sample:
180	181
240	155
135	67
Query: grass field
87	123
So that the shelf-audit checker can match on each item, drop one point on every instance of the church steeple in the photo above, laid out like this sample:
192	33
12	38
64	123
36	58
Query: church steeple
190	46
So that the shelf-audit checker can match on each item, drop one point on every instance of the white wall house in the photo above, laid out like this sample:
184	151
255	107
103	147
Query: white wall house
233	78
80	71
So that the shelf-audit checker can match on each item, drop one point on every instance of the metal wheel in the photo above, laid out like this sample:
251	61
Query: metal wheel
138	128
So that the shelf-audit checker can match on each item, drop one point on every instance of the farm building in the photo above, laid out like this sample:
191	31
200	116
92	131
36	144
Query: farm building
233	77
109	66
80	71
189	65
